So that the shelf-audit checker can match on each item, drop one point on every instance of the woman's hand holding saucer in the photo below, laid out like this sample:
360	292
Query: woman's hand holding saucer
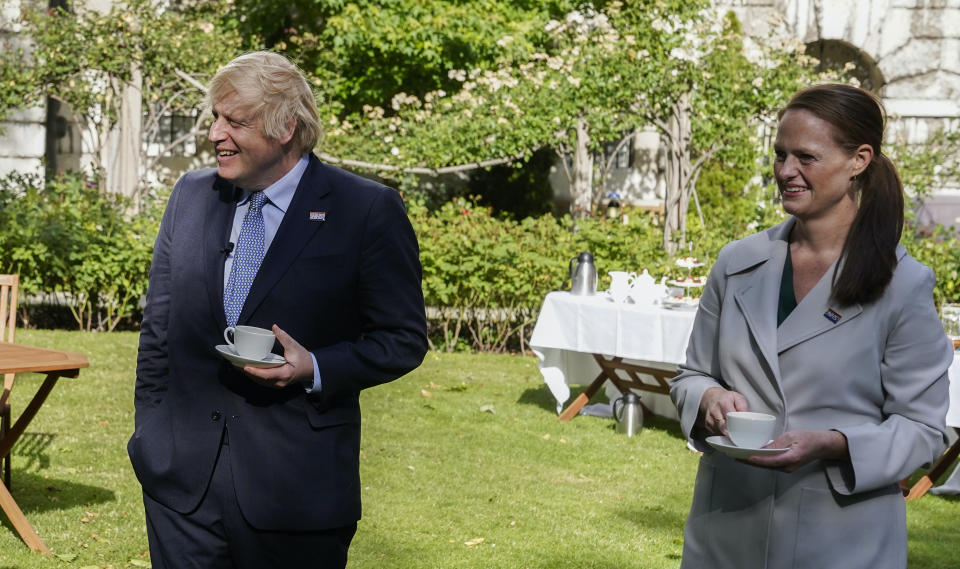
298	369
805	447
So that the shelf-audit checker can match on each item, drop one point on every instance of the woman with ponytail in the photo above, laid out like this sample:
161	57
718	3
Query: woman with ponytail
828	324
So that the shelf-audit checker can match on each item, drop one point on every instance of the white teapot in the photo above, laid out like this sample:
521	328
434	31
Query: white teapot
646	290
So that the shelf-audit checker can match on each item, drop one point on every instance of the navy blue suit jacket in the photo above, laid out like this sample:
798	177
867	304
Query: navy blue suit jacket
346	287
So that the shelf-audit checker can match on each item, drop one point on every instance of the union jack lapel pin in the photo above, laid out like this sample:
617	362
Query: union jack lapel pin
832	315
318	216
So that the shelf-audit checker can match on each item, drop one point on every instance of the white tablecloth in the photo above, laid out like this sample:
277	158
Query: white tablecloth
570	329
952	484
953	412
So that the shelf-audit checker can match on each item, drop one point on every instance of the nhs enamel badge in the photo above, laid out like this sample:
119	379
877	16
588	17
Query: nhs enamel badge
318	216
832	315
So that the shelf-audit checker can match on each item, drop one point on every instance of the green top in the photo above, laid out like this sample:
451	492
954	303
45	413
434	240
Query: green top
788	300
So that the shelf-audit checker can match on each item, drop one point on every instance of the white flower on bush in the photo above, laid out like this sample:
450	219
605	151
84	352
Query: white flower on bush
575	17
395	151
401	100
575	81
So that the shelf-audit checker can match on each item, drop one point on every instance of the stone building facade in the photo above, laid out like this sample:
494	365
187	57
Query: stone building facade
907	51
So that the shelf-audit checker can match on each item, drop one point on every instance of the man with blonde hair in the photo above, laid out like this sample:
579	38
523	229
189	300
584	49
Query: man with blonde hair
249	466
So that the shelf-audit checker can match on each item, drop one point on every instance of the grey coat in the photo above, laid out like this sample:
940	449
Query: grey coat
878	375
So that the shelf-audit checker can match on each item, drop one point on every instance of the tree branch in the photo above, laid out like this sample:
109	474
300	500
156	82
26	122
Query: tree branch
419	170
562	153
190	80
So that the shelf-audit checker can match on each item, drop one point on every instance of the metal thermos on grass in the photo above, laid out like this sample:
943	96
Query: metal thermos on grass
628	413
583	275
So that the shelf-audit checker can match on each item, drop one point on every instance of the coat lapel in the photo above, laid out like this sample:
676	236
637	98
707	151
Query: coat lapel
295	231
755	273
815	314
818	312
220	221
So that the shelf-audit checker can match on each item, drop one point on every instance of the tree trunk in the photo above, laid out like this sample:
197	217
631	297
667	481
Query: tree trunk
678	171
581	188
124	141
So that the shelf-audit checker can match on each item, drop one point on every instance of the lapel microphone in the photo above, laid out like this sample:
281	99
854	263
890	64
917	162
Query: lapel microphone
228	249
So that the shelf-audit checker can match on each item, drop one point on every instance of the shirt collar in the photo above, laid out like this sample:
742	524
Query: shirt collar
280	193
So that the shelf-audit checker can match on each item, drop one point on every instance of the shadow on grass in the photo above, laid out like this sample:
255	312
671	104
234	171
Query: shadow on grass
654	517
36	493
31	449
541	397
668	426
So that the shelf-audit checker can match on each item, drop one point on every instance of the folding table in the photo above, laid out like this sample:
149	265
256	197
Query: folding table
18	358
633	346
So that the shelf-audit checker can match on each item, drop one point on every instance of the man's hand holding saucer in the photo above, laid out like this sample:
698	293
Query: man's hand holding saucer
298	369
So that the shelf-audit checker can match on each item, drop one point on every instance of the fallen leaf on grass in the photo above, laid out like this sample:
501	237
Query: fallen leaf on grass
474	541
425	393
66	556
139	563
487	409
546	437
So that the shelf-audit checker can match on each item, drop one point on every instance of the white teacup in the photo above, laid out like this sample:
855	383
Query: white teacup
249	341
750	430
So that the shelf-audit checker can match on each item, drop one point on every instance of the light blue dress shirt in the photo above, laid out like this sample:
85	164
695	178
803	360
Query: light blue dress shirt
279	195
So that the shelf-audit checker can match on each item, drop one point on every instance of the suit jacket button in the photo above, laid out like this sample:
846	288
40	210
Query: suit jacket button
215	416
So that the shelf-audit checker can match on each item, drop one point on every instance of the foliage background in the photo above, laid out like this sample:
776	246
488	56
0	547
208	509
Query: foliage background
76	246
423	83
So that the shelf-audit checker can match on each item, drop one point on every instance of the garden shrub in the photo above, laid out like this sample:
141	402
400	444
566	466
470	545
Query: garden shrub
485	278
82	247
484	275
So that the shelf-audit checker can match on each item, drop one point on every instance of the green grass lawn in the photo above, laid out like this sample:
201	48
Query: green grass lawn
464	465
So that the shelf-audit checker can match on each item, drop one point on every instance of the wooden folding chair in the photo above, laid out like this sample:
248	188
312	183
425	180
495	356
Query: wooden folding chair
940	468
9	289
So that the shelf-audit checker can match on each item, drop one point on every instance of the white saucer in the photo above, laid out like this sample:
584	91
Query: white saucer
726	446
681	304
271	360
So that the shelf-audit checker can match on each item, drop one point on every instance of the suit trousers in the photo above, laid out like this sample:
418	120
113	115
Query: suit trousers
216	535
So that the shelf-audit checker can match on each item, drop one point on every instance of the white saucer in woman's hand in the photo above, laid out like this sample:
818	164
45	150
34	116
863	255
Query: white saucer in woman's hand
270	360
726	446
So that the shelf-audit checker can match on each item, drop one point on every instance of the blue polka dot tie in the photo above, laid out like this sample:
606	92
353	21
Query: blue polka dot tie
246	259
